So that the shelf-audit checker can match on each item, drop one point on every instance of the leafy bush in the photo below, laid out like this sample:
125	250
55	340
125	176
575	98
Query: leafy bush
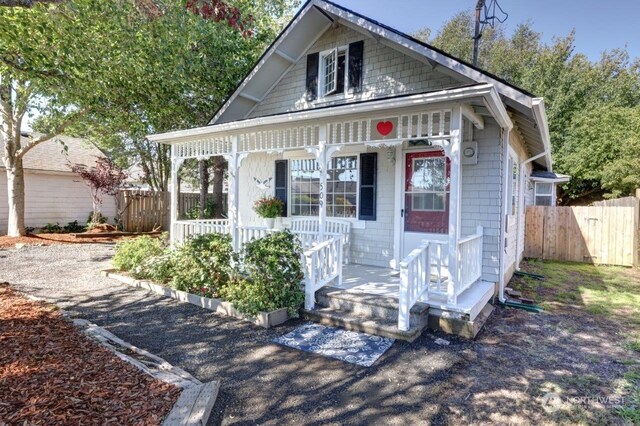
51	228
269	207
159	269
273	276
74	227
203	264
131	254
194	213
101	219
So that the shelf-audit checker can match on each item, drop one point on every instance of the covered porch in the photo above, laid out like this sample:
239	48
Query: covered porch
437	271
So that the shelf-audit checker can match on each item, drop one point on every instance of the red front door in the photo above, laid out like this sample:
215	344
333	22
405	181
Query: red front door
426	192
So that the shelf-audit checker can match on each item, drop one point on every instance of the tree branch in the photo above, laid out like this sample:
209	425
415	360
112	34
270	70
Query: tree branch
48	136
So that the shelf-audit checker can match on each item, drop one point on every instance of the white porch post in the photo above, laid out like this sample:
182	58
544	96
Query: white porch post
455	187
323	158
173	208
234	159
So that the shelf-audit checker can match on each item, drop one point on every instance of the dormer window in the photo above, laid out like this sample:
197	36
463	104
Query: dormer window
335	72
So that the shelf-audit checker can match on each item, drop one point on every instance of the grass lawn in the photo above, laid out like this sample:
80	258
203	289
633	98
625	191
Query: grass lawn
600	305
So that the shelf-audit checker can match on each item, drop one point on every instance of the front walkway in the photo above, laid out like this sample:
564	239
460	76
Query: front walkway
492	379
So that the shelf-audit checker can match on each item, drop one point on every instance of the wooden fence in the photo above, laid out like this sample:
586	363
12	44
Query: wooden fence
595	234
143	211
188	201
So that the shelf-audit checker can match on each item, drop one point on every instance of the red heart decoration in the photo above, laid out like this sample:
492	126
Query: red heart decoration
384	127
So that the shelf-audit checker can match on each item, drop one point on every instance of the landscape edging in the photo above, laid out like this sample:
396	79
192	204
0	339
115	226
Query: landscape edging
223	307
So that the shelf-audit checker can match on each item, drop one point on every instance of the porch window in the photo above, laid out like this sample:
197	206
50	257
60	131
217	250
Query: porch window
544	194
512	205
342	187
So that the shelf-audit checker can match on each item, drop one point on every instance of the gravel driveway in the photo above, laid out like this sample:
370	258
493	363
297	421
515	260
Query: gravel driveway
496	378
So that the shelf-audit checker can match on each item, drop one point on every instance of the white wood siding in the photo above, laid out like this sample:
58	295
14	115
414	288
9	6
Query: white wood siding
52	198
387	72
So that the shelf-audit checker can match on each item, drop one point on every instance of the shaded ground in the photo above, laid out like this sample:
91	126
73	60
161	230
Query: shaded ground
49	239
574	350
52	374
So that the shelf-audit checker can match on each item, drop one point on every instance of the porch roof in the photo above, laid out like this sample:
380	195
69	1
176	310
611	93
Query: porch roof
484	95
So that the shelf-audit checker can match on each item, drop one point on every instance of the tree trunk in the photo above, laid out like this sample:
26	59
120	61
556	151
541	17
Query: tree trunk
204	186
218	180
15	192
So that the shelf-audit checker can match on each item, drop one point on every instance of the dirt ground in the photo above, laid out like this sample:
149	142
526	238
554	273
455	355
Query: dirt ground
584	348
52	374
49	239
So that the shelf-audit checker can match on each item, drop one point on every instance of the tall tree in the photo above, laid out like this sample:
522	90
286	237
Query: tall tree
115	71
593	106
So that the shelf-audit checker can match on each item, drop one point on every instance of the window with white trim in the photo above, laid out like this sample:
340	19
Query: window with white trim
333	71
342	187
544	193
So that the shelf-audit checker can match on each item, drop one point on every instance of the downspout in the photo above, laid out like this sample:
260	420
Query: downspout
503	213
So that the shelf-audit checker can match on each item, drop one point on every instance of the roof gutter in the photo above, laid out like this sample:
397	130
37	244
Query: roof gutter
484	90
540	115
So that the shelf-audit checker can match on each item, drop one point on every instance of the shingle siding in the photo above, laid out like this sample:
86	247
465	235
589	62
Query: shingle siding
387	72
481	196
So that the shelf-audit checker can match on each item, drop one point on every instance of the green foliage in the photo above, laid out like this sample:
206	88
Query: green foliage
51	228
159	269
272	276
194	213
592	106
101	219
203	264
131	254
74	227
269	207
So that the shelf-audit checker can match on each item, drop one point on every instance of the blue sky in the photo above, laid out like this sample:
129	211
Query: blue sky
600	25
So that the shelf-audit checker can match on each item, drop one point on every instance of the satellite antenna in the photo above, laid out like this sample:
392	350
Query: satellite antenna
486	15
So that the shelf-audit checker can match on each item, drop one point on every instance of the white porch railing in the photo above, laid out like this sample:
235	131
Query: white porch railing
470	264
420	274
184	228
322	264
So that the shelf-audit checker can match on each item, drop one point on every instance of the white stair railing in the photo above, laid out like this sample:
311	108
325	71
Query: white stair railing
415	276
182	229
322	264
470	263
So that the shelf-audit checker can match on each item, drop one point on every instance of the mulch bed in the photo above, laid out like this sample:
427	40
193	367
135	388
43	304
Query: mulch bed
50	373
49	239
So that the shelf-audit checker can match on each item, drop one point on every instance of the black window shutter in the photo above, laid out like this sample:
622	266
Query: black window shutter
312	76
368	177
282	171
356	66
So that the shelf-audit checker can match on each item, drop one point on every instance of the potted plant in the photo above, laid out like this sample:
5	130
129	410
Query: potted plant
269	208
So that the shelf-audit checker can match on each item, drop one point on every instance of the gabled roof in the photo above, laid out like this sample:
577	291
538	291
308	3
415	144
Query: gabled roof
51	156
315	17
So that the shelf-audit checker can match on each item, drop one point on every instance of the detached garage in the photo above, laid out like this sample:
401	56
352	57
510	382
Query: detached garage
53	194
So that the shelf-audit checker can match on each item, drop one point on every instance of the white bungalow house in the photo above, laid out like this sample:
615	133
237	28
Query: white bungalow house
411	165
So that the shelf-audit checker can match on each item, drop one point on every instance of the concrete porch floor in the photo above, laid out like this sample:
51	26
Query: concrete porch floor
385	282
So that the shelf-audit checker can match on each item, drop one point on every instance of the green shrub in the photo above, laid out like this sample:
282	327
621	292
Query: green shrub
159	269
203	264
51	228
101	219
272	276
74	227
131	254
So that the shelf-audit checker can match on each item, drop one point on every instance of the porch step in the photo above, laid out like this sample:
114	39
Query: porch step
367	313
369	305
364	324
